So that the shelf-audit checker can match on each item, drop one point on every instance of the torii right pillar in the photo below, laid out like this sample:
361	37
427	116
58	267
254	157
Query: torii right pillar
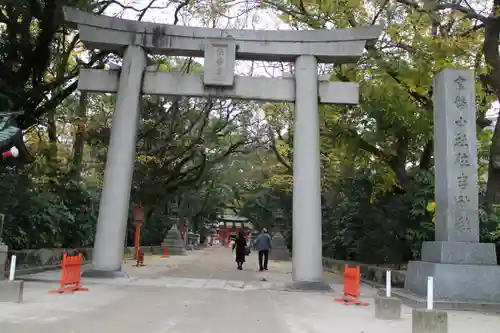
307	235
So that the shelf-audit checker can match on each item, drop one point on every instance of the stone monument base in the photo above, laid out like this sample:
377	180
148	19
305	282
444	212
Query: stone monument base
459	253
455	282
11	291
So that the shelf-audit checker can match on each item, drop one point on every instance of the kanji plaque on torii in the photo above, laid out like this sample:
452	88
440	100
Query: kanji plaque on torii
220	59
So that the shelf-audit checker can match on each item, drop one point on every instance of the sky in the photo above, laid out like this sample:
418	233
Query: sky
261	19
253	19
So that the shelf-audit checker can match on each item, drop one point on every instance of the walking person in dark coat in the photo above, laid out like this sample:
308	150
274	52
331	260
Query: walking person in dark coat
263	245
240	246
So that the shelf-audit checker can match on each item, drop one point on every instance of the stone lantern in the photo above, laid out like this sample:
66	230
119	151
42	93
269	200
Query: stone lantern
279	250
173	240
138	216
278	220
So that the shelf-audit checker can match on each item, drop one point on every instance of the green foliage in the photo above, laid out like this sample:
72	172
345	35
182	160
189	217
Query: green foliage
41	215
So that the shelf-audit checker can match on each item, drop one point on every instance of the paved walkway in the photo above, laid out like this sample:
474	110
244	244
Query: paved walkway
204	293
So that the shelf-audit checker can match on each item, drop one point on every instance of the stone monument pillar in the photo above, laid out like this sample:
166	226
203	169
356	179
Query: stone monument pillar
174	242
463	269
279	249
307	242
113	210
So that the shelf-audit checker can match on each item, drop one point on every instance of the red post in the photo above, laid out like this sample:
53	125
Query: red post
140	258
138	215
137	239
165	252
184	229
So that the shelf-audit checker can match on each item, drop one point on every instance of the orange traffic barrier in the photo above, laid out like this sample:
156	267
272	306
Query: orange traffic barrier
352	284
165	252
70	275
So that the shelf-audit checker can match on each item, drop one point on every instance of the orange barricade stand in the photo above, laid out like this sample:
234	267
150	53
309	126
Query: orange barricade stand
70	275
352	283
165	252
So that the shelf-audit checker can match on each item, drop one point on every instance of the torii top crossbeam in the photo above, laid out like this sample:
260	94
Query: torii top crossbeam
328	46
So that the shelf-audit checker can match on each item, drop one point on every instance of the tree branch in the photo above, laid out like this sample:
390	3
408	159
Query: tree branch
468	12
280	158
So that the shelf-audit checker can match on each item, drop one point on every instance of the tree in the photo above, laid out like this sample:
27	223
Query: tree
393	123
182	144
483	19
38	67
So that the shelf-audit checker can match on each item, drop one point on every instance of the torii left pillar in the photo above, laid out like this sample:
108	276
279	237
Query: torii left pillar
113	210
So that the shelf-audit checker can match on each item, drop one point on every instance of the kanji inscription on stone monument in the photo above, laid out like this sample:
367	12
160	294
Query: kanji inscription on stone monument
462	223
462	159
462	181
456	155
462	201
460	122
461	140
461	103
459	81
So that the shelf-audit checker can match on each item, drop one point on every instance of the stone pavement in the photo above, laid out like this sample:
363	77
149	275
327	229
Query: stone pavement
203	292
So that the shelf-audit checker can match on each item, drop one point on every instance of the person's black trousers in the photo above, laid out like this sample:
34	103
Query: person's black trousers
263	259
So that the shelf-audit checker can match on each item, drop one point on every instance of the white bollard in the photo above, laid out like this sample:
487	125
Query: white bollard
430	293
12	272
388	284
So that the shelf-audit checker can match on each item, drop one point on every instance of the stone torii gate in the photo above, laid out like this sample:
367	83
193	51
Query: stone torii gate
220	48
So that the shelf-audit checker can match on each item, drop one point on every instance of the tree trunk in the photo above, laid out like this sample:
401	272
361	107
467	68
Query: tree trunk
52	134
79	126
492	58
493	183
